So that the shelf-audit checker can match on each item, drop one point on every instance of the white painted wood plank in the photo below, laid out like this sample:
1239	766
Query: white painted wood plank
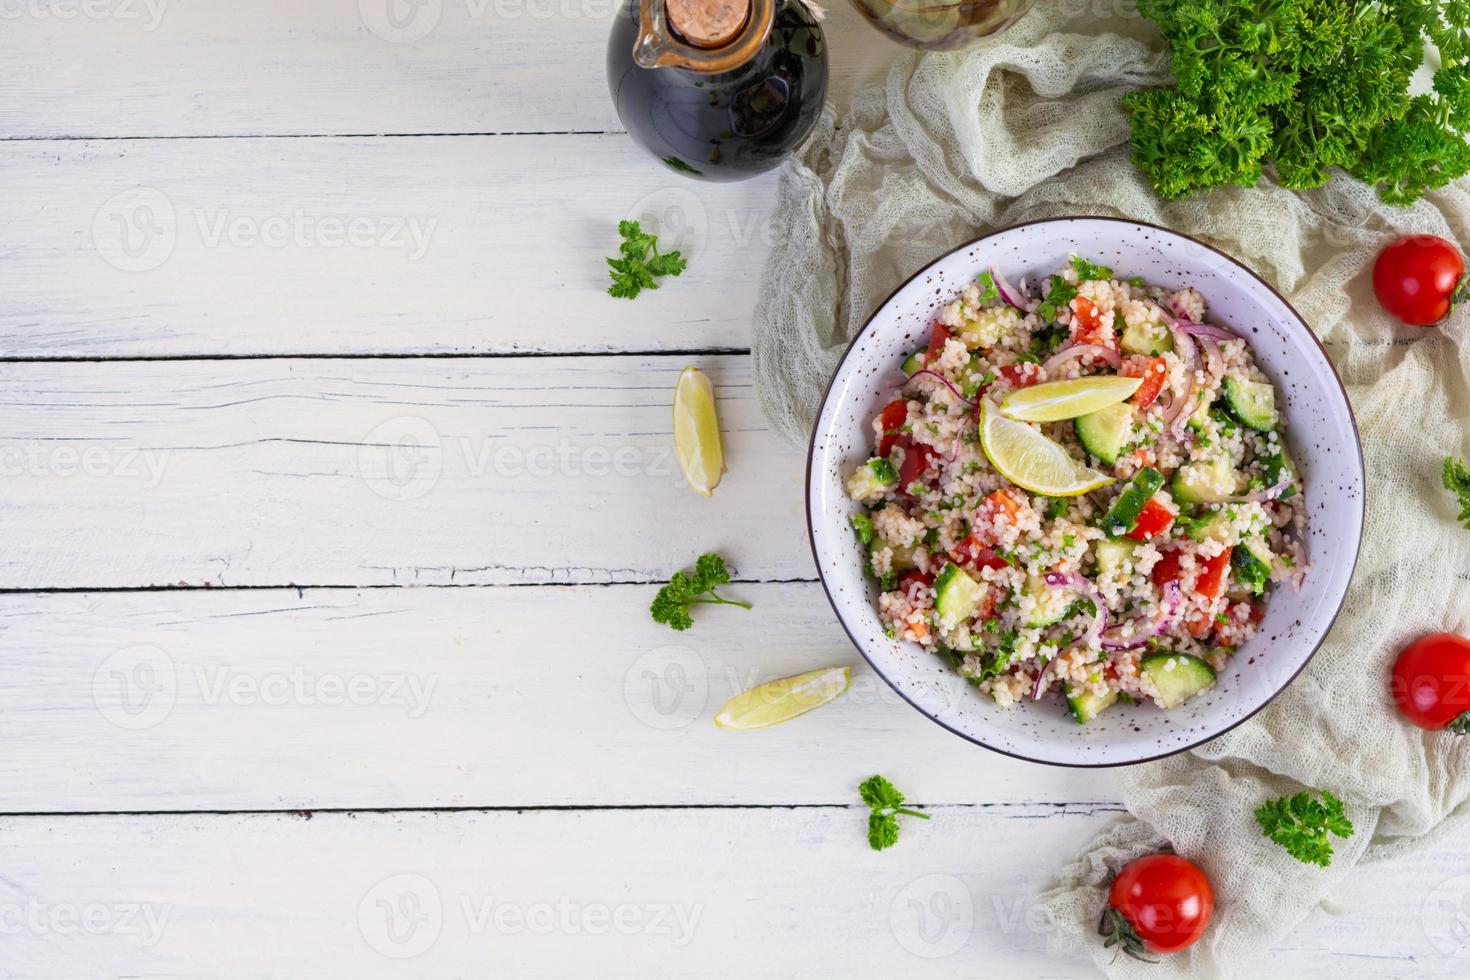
283	67
363	246
265	699
380	472
611	894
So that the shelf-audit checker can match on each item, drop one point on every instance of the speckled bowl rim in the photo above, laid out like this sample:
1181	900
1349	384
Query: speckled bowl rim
811	490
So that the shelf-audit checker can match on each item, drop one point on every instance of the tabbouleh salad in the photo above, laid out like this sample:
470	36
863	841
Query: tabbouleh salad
1085	491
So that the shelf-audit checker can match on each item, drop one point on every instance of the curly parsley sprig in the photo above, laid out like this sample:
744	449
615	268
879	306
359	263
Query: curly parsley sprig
671	605
1305	85
1301	824
640	262
1457	482
886	802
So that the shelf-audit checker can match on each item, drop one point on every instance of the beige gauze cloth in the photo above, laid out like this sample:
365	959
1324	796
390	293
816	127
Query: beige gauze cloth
1027	125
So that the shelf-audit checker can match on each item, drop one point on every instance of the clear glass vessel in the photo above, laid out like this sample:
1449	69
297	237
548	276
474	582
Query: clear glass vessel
938	24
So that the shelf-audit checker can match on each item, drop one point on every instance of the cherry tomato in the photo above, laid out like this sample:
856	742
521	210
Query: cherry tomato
1020	375
916	458
1087	325
1200	624
894	415
974	553
914	575
1418	279
1155	374
936	343
1212	574
1165	903
1167	569
1155	518
1431	682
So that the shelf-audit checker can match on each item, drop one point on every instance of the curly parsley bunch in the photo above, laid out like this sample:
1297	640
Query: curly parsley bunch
1305	85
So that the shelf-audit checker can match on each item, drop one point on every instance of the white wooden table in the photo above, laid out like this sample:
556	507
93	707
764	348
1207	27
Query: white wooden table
336	492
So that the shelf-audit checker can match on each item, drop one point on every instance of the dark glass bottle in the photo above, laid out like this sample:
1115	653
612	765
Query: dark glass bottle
718	89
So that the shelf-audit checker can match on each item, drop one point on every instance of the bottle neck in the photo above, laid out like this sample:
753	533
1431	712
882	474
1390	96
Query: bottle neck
705	36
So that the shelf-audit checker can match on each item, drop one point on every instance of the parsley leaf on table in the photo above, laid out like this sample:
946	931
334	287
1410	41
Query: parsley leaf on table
671	605
640	263
1300	824
1457	482
886	802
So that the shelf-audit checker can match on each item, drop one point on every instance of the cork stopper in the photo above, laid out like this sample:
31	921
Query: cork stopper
708	23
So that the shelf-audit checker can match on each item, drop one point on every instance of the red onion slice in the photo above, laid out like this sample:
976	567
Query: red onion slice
1113	639
947	383
1013	297
1072	580
1261	496
1107	355
1207	330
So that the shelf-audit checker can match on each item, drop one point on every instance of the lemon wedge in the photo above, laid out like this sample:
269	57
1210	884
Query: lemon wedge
697	431
1054	401
1030	460
770	704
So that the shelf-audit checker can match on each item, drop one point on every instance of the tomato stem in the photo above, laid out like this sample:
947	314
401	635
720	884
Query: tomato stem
1461	725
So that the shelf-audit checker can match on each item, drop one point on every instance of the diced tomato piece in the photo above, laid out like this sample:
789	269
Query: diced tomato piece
974	553
916	459
1199	624
1020	375
1238	618
912	576
936	343
1155	518
1212	574
1167	570
895	413
999	506
1155	374
1087	325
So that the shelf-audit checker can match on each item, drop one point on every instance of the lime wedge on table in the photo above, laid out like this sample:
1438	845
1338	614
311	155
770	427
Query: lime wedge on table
697	431
1030	460
770	704
1058	400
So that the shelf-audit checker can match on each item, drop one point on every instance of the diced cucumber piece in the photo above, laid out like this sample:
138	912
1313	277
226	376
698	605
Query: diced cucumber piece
1049	603
1112	553
903	556
1199	417
872	480
956	595
1121	517
1251	563
1206	481
1273	468
1176	677
1148	338
1086	705
914	363
1252	402
1104	433
1215	527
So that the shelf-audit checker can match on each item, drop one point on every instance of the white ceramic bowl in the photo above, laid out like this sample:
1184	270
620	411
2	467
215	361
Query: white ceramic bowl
1321	435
